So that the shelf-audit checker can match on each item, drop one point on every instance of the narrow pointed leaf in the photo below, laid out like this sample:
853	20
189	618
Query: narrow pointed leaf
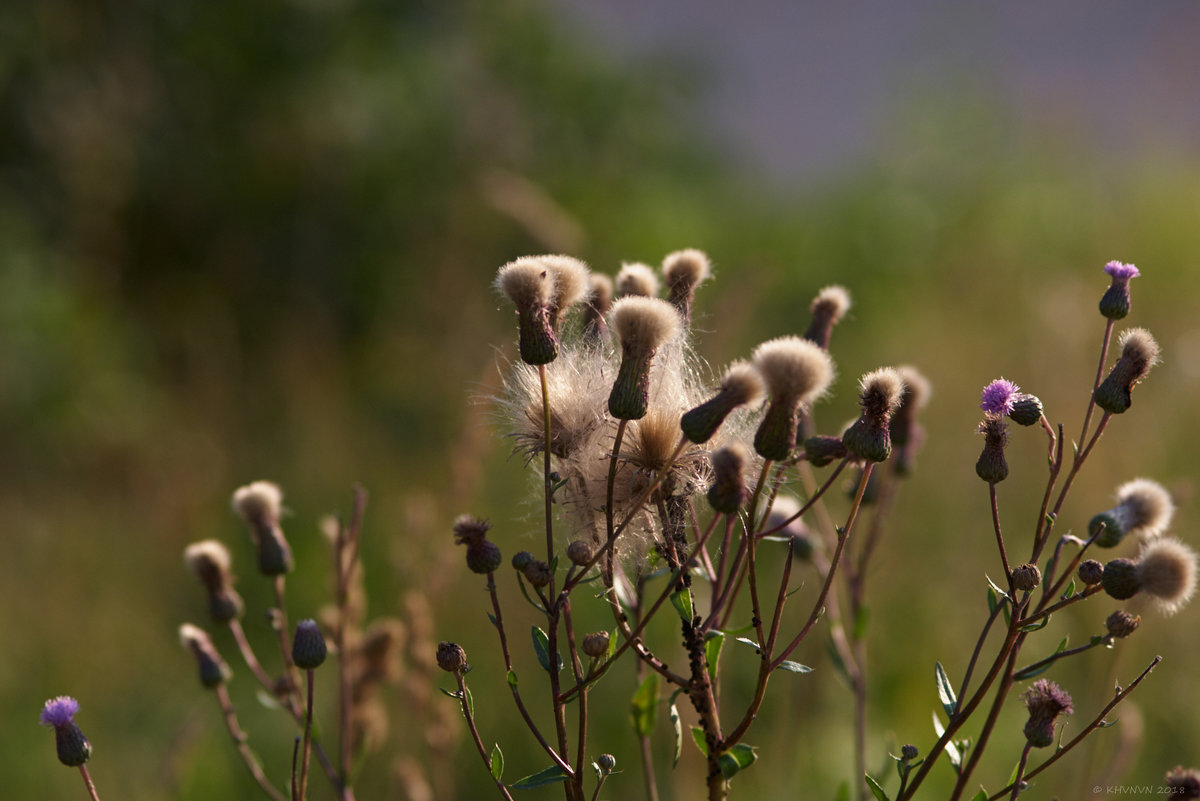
645	705
982	795
512	678
794	667
677	726
876	789
750	642
1069	591
698	739
541	646
682	601
542	778
999	592
952	752
712	650
945	690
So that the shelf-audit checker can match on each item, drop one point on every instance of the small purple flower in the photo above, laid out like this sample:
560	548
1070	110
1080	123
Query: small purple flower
59	712
1120	271
999	396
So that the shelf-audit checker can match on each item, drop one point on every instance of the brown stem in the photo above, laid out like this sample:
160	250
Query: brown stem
307	737
87	781
483	754
239	739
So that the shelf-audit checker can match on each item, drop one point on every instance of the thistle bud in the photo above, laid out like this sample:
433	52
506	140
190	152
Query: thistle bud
642	325
73	748
1121	624
908	753
260	504
483	556
537	573
828	308
210	563
1139	352
684	270
1026	578
1115	303
1090	572
796	372
212	668
1045	701
452	658
742	385
606	762
869	437
595	644
823	450
308	646
521	559
1120	579
636	280
992	467
529	284
1144	509
728	491
1027	410
580	553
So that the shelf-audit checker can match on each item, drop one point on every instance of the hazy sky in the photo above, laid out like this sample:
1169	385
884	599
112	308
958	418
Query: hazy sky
803	88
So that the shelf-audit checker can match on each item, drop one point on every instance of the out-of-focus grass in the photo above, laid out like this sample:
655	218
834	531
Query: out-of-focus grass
243	242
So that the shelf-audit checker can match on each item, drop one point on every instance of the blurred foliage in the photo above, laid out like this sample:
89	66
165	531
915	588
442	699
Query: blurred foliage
256	239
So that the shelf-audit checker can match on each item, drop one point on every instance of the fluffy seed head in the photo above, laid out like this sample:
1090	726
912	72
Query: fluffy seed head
1166	570
728	491
212	668
1140	350
259	503
208	561
637	279
570	279
689	267
741	385
999	397
828	307
1148	507
599	301
880	392
643	324
869	437
794	370
527	282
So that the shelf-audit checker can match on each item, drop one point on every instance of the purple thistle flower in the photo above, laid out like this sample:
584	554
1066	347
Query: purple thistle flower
1120	271
59	712
999	396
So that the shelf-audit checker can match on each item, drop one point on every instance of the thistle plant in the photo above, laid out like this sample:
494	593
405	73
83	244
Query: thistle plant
663	494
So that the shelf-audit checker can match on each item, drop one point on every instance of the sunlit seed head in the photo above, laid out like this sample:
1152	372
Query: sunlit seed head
259	503
653	440
1182	783
1166	570
794	370
1139	350
637	280
209	561
833	301
917	389
571	285
527	282
1147	505
728	491
642	324
688	268
743	384
212	668
600	292
880	392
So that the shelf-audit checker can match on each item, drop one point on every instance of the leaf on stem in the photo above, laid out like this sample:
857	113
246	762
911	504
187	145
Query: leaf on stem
698	739
750	642
860	623
677	725
645	705
713	641
512	679
682	601
497	762
541	646
945	690
982	795
794	667
952	752
736	759
542	778
876	789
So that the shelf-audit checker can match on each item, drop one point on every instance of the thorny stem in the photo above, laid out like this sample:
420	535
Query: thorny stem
1096	723
239	739
483	754
87	780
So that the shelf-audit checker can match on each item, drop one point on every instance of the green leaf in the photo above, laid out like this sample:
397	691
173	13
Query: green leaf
982	795
698	739
952	752
945	690
750	642
645	705
497	760
612	644
1021	675
876	789
512	679
794	667
492	618
470	701
992	600
541	646
682	601
999	592
542	778
270	701
713	641
1069	591
1041	624
736	759
1106	724
677	725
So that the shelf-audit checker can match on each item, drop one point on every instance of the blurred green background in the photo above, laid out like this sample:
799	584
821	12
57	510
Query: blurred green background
256	240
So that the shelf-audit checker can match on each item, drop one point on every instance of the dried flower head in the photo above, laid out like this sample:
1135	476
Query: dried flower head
1121	624
1090	572
483	555
1144	508
599	301
908	435
1116	301
992	466
828	308
529	284
260	504
999	397
1183	782
1026	577
742	385
579	552
869	437
642	325
1045	701
637	280
59	713
452	658
796	372
210	563
1139	352
1166	571
595	644
684	270
213	669
728	491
